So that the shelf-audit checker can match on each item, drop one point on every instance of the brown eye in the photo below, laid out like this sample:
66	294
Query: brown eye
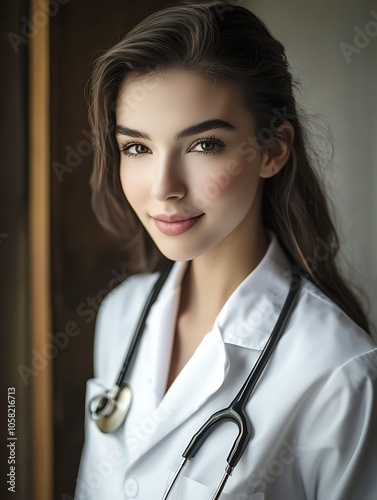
140	146
125	149
209	146
206	144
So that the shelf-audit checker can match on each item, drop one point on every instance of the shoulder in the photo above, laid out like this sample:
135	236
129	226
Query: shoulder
116	319
329	365
322	311
337	382
327	337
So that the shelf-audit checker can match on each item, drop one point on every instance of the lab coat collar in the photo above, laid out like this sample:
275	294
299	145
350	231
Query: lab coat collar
251	312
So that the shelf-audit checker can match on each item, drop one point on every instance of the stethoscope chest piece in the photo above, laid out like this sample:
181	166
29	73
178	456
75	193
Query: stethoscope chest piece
110	409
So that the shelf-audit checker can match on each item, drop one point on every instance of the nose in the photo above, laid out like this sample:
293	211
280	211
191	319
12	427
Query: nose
169	181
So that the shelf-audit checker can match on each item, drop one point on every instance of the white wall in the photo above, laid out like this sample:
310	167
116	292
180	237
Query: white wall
344	93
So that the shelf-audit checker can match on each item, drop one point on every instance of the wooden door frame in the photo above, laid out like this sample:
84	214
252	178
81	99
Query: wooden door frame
39	197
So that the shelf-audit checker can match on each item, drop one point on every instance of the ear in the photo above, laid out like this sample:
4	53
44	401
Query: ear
275	153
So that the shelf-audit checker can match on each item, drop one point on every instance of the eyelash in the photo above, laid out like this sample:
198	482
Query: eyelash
211	139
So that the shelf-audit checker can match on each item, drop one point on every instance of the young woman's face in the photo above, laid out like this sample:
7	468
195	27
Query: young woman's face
209	176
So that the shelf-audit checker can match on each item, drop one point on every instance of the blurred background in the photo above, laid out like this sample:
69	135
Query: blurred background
57	263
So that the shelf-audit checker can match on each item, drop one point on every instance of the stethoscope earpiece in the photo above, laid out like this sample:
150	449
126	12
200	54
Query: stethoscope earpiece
109	410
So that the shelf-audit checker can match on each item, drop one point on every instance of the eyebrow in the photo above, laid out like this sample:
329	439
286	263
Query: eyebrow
198	128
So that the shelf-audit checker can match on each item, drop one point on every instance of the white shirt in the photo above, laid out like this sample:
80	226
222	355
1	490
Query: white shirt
314	410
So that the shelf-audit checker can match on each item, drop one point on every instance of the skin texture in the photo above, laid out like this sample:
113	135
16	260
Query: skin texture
170	177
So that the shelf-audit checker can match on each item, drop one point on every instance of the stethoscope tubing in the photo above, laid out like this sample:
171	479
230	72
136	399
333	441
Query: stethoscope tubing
109	410
236	412
142	320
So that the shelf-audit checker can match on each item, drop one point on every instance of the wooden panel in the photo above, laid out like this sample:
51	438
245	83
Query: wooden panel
14	243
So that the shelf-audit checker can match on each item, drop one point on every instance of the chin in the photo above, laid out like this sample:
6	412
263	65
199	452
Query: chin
178	250
176	254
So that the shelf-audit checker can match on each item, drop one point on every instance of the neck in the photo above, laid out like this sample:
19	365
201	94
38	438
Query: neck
211	278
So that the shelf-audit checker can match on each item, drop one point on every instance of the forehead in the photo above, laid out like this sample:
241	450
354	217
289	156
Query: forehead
176	92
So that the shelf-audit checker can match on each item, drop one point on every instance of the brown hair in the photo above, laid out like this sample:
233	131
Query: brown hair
228	43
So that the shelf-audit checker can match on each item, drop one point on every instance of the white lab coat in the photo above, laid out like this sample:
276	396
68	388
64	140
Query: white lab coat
314	411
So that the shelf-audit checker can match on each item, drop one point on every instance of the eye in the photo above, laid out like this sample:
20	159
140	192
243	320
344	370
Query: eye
215	145
209	145
125	149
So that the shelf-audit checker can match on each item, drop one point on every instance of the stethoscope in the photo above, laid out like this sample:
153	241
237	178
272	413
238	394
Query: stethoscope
110	409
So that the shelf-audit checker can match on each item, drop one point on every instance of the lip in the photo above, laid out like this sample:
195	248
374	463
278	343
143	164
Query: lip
174	217
177	227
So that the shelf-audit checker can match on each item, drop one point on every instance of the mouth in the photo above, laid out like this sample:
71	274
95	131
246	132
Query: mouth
170	227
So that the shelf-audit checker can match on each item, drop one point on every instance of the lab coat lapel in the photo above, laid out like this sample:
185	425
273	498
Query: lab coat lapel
189	391
162	322
196	383
151	370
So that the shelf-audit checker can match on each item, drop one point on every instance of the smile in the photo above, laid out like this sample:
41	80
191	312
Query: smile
175	228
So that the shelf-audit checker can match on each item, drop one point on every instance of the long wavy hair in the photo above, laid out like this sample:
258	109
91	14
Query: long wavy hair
228	43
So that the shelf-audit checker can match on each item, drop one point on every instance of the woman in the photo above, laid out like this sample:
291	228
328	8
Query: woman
201	160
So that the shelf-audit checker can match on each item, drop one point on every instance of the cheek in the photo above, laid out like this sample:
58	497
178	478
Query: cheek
229	186
245	180
133	186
